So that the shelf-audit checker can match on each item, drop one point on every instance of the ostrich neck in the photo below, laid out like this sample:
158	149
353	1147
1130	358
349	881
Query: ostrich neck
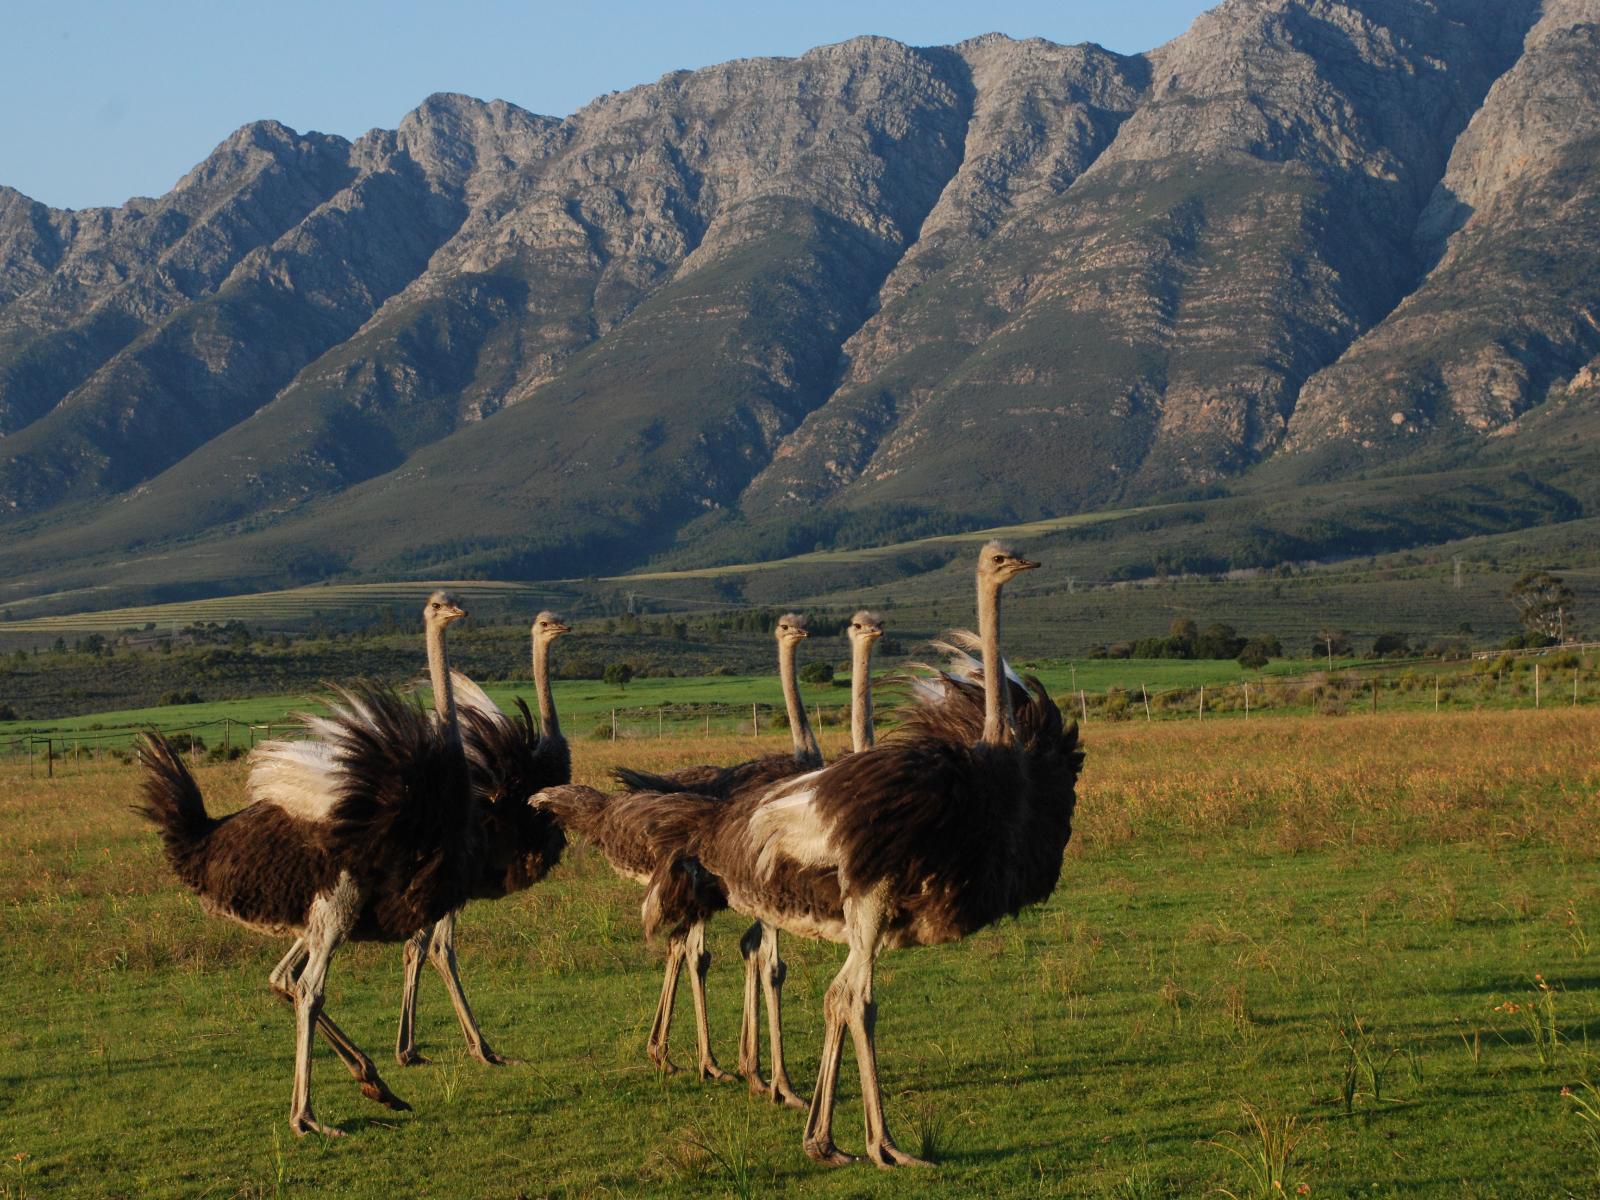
541	685
444	696
805	742
861	736
999	728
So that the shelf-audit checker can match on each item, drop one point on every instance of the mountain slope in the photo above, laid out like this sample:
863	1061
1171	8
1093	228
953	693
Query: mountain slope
872	291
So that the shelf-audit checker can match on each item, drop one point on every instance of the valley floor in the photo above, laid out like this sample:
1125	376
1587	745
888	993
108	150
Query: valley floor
1328	936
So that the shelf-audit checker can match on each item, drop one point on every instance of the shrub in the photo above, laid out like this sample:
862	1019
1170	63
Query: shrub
816	672
1253	657
1390	644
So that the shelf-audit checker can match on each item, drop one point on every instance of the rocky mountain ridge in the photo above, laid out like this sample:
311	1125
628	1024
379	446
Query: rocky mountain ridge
866	291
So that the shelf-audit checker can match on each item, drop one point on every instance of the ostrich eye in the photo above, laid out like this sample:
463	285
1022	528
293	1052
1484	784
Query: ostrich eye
999	558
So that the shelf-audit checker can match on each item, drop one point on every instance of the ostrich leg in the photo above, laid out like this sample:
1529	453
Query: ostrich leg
656	1046
699	963
283	981
849	1004
749	1044
762	965
405	1045
442	953
307	1009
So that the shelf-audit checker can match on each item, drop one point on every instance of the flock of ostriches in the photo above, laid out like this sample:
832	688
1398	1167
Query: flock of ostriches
385	820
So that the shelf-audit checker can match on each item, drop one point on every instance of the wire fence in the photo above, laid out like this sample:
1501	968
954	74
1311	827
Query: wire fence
1504	682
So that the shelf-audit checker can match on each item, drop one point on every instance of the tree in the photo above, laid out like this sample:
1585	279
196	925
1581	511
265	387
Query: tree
1218	641
617	674
1258	650
1386	644
1253	657
816	672
1544	603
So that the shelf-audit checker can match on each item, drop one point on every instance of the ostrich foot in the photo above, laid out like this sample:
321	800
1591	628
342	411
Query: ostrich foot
412	1058
710	1072
887	1154
780	1091
828	1154
664	1065
376	1089
488	1057
304	1124
784	1095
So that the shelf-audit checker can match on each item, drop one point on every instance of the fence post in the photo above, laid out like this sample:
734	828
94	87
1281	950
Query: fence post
1536	685
1435	693
1374	693
1246	699
708	724
613	724
49	758
227	735
755	723
660	708
1144	691
1202	702
1083	703
1575	671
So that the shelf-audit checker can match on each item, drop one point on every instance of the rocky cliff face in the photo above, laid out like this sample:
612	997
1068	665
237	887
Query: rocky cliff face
1001	279
1511	303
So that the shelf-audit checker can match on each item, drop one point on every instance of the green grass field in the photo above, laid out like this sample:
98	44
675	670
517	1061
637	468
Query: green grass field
1112	690
1290	933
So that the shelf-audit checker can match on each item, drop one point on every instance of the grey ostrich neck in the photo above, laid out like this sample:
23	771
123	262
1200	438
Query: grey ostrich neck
999	726
805	742
861	736
444	696
541	685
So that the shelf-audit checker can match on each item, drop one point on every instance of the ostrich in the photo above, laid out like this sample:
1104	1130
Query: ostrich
957	820
367	833
764	969
508	763
638	832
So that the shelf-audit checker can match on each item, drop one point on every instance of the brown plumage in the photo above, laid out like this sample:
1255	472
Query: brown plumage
509	760
643	829
682	894
957	820
365	833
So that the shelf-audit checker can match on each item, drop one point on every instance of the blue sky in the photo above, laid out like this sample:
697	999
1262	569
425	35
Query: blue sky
105	100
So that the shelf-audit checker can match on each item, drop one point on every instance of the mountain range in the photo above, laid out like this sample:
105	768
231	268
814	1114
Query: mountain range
1309	248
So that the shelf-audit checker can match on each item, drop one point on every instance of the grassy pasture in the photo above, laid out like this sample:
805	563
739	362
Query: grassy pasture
1293	930
1115	690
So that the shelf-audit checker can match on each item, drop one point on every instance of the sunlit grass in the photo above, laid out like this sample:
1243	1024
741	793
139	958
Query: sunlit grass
1313	918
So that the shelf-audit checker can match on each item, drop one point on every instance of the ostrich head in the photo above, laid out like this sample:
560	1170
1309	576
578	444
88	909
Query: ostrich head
997	562
548	626
791	629
440	610
865	626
